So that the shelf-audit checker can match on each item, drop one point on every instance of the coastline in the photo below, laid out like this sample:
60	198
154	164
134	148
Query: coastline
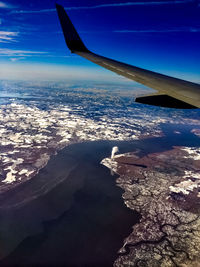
88	191
164	188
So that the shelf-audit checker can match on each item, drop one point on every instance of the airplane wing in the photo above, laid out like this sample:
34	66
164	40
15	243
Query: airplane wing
172	92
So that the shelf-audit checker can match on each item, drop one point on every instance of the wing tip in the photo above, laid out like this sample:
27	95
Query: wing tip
72	38
58	6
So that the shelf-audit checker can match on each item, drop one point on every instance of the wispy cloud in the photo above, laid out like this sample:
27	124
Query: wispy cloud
5	5
14	59
19	53
7	36
34	11
15	55
160	30
149	3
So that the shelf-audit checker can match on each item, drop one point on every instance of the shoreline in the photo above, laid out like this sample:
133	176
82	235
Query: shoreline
147	184
160	143
88	194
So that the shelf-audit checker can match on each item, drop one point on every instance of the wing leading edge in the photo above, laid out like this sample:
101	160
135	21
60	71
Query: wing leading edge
172	92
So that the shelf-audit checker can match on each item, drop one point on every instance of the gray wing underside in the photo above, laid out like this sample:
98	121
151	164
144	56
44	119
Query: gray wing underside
172	92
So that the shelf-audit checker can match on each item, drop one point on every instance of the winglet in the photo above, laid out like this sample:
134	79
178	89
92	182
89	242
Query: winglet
72	38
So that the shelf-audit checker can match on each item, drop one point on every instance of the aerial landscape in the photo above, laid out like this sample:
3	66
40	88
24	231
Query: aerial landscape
89	177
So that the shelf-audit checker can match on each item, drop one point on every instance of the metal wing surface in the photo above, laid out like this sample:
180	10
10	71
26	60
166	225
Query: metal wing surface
172	92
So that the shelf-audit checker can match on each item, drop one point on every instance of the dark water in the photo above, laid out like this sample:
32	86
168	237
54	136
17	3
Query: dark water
74	214
82	220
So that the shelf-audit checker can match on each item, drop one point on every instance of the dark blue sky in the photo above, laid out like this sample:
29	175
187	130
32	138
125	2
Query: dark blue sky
163	36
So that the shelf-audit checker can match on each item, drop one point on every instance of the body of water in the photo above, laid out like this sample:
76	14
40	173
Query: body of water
72	213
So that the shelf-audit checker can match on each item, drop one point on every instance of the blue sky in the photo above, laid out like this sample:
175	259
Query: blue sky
163	36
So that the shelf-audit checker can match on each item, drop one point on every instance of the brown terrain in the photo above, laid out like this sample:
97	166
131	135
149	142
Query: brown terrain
164	189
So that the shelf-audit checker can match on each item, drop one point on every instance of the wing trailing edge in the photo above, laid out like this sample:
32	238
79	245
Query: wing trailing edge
172	92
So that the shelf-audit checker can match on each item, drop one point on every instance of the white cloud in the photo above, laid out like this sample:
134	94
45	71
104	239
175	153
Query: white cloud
5	5
2	5
150	3
20	53
189	29
14	59
34	11
6	36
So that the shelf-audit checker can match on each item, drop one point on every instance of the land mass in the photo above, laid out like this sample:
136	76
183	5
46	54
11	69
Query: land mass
165	189
29	136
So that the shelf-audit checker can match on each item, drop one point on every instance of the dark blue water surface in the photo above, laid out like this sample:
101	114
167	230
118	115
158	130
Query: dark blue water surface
81	219
72	213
